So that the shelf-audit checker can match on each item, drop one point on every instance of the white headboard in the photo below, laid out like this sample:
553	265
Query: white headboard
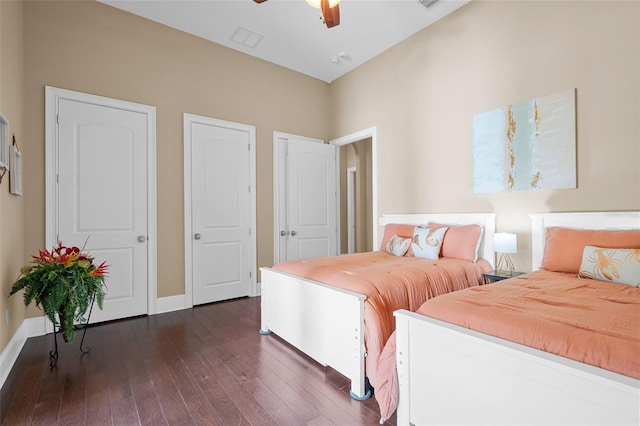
487	220
577	220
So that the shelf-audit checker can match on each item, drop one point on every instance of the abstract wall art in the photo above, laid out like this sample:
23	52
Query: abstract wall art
526	146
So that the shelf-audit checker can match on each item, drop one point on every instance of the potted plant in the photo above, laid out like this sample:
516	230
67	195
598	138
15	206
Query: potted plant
64	283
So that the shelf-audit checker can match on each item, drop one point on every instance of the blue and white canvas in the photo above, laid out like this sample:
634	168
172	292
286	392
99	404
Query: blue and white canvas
526	146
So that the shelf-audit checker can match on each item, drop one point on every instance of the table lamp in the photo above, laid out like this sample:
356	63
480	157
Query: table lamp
504	243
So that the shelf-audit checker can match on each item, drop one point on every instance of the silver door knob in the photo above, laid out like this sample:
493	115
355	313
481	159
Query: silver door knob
293	233
283	233
196	236
142	238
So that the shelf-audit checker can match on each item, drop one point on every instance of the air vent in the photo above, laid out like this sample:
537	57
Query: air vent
428	3
246	37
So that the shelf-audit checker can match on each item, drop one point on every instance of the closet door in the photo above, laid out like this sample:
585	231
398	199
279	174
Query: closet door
306	200
221	208
102	194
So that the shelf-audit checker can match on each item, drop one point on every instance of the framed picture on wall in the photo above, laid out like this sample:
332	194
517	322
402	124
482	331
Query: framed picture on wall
4	143
15	170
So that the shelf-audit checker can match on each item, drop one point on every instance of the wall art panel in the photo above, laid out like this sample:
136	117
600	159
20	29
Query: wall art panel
526	146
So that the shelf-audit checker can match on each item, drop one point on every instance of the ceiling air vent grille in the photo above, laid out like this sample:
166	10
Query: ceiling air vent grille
247	37
428	3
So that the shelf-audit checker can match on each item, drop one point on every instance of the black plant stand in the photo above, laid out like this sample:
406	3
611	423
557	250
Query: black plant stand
53	355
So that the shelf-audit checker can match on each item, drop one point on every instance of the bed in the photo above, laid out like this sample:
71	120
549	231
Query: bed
451	373
328	323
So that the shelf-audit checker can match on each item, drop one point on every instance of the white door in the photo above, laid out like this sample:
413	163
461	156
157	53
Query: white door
351	209
221	208
307	208
102	197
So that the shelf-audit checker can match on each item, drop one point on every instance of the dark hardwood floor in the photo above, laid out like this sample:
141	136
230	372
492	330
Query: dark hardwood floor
207	365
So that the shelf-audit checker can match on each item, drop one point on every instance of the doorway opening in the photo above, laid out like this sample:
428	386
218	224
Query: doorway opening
357	171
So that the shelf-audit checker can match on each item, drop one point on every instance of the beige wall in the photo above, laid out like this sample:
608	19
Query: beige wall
423	93
12	227
93	48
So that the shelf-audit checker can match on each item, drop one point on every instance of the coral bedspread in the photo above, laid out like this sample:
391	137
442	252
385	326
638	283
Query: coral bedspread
390	283
590	321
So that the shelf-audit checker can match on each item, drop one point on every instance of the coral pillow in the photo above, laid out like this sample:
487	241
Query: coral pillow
400	229
564	246
427	242
620	266
398	246
461	241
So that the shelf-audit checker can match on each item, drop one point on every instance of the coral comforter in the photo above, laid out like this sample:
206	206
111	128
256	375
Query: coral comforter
389	282
589	321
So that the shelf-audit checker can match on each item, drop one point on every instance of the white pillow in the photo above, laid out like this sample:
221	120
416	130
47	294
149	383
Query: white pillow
620	266
426	242
397	245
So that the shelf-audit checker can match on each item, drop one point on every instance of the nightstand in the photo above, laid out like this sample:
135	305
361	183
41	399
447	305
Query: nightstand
493	276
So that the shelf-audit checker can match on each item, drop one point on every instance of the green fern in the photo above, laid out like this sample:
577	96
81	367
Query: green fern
63	283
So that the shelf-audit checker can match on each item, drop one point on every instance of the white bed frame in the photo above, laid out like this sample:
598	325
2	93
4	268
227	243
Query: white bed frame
327	323
452	375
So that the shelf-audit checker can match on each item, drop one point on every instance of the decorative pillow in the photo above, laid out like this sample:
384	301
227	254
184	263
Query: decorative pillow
399	229
461	241
398	246
620	266
426	242
564	246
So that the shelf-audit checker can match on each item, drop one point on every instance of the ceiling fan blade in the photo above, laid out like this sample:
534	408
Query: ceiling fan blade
331	15
259	1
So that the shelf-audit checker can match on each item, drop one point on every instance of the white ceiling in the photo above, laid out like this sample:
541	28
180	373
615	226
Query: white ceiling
290	33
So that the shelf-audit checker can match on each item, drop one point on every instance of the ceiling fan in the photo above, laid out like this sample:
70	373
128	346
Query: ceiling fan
330	10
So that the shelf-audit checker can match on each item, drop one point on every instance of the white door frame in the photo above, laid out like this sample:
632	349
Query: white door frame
351	211
278	168
188	225
52	97
371	132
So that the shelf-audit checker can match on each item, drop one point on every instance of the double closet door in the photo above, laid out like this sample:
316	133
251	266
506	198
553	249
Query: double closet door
306	198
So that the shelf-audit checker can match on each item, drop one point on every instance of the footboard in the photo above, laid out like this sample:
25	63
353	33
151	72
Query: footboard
451	375
324	322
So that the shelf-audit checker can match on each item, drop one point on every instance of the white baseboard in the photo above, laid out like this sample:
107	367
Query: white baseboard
30	327
179	301
11	351
38	326
171	303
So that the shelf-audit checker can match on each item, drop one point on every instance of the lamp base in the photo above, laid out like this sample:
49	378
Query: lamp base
504	263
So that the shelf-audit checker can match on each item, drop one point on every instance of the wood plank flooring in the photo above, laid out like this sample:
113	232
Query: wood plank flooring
207	365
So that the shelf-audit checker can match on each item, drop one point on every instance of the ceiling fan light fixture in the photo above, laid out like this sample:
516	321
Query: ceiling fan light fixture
316	3
329	10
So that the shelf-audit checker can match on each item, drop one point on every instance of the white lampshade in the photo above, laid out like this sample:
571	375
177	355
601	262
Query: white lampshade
504	242
316	3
